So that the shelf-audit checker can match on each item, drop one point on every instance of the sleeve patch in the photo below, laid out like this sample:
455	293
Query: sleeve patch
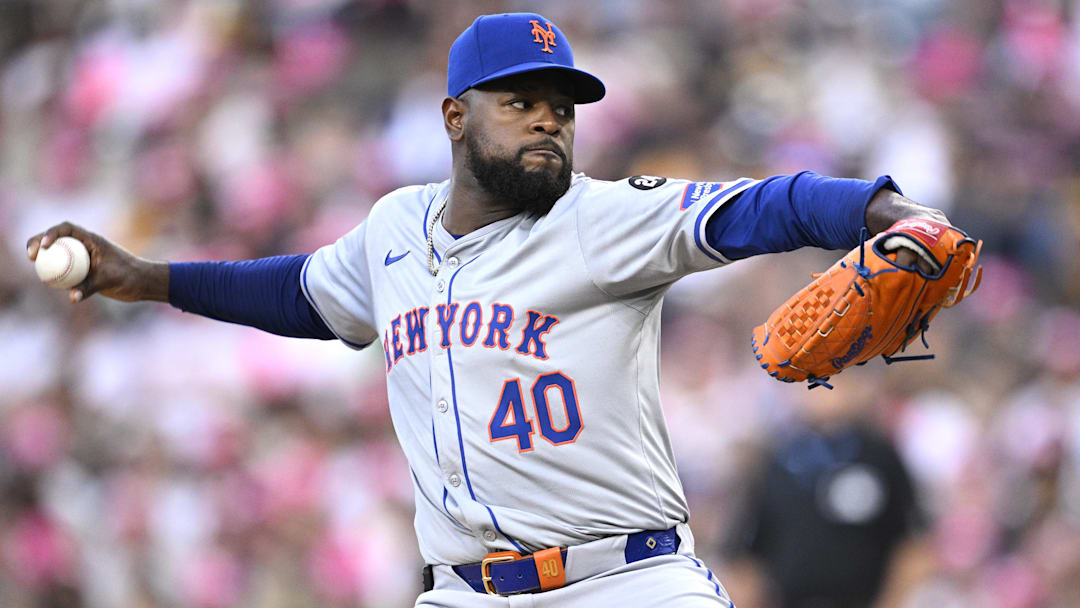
695	191
646	182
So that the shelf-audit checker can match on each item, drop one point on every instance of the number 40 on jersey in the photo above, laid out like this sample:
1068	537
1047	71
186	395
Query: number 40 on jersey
511	422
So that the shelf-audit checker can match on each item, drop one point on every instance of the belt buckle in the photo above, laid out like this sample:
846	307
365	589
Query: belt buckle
485	567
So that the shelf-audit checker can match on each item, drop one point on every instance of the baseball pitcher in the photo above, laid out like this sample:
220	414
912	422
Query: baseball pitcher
517	305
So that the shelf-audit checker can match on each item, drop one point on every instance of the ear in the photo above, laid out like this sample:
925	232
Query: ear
453	111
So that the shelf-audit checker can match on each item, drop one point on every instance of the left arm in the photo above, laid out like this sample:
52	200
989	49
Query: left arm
788	212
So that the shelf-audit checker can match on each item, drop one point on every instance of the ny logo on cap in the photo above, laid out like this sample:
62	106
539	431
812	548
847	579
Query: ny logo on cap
540	35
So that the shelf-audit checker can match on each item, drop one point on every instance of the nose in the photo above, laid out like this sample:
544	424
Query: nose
545	120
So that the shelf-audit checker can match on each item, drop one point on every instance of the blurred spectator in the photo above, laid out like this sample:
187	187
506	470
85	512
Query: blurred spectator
829	510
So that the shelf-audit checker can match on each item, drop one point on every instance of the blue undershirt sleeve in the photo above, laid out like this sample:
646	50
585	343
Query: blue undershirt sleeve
787	212
263	293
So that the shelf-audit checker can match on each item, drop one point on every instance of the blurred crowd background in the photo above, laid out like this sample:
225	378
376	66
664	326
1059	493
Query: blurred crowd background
154	459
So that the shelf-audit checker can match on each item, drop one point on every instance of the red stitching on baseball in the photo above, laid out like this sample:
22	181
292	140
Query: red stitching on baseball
70	262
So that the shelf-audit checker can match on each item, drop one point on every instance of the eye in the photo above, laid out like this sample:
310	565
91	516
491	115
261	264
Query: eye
564	111
519	104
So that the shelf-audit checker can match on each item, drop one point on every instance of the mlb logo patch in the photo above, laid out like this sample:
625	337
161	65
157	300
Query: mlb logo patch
695	191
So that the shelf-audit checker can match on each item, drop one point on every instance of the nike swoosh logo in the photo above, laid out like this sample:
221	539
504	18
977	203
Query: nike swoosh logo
390	260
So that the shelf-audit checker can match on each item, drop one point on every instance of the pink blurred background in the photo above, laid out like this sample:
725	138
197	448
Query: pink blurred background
154	459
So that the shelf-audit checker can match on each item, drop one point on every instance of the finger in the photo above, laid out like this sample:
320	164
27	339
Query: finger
57	231
906	258
44	240
38	242
909	259
83	290
33	245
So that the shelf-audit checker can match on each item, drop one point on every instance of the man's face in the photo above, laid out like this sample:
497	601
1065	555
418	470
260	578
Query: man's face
519	139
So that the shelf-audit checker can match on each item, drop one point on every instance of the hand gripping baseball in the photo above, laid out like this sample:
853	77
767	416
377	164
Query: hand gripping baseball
114	272
874	301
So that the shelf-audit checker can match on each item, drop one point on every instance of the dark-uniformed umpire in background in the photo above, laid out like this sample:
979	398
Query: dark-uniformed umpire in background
833	505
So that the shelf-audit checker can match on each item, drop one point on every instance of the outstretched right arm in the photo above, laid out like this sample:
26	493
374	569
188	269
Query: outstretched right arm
263	293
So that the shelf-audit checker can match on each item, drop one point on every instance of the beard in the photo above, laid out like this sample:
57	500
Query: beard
511	183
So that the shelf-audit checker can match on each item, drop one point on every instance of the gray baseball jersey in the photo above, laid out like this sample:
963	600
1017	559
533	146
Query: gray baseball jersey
523	378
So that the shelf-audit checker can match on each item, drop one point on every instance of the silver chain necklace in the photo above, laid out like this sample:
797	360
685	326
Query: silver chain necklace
431	236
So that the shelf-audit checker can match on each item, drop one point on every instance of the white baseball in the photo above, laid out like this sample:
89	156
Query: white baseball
64	264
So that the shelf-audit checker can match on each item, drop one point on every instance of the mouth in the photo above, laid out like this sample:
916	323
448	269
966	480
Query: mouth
547	150
548	154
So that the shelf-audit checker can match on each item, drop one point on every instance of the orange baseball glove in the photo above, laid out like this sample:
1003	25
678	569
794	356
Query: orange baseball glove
868	304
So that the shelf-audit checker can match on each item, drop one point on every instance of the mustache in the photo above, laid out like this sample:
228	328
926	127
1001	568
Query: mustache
550	146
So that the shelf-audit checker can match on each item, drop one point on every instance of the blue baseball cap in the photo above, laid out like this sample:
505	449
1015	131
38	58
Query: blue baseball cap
495	46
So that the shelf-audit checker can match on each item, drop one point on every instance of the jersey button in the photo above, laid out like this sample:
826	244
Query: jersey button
453	262
440	285
489	535
441	405
454	480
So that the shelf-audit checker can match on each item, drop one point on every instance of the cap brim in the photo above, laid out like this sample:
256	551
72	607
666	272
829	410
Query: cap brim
587	88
